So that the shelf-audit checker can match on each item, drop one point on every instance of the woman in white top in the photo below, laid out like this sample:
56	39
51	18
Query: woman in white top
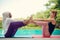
6	21
10	26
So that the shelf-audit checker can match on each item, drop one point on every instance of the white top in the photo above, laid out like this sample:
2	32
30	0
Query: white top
6	24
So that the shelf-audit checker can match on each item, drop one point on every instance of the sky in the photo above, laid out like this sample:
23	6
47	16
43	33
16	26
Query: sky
22	8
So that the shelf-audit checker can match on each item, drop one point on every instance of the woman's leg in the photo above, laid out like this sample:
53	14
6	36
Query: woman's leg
13	28
11	31
45	27
46	30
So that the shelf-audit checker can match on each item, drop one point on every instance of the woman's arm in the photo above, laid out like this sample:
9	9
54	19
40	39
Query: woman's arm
46	20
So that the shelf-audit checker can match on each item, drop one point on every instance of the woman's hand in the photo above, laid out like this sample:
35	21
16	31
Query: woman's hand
29	20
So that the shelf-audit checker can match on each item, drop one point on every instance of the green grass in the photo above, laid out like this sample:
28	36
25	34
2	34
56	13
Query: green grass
31	28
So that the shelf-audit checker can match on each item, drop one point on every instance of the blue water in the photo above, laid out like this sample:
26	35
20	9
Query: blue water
29	33
56	32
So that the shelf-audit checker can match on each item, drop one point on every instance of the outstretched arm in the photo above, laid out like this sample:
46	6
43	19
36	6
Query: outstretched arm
45	20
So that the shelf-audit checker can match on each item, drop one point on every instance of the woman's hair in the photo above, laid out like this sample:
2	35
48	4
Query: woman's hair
54	12
10	15
6	15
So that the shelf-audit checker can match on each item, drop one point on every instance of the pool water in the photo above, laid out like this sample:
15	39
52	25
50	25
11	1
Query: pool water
29	33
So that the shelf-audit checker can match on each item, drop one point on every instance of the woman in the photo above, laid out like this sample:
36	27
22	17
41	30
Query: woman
6	21
12	26
48	24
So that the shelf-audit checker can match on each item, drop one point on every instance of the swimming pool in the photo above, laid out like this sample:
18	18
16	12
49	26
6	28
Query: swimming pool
29	33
